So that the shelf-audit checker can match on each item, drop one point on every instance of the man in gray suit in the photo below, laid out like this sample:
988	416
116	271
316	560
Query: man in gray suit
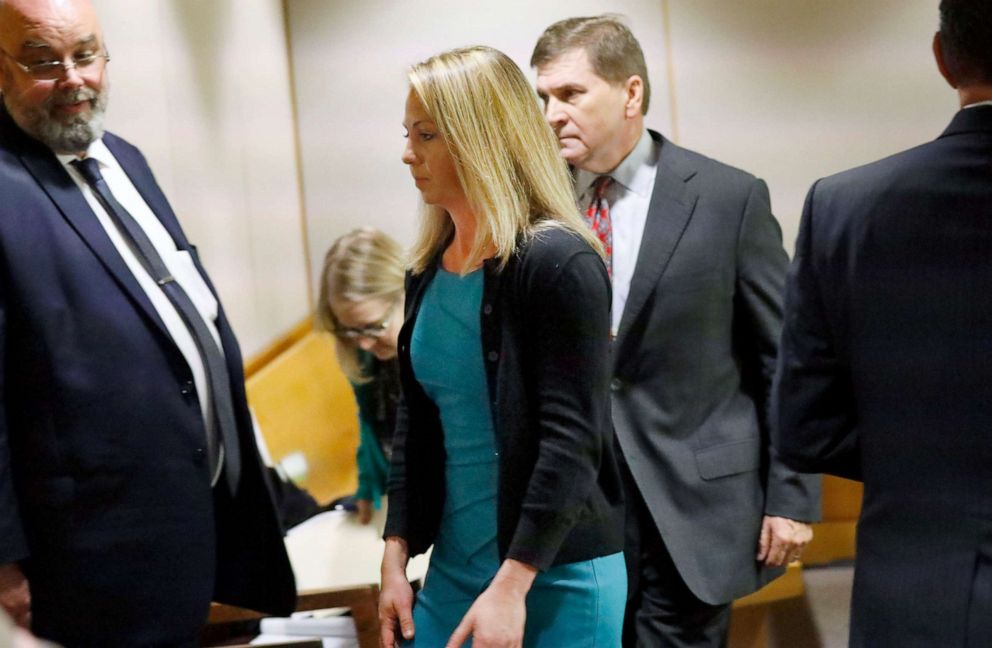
698	271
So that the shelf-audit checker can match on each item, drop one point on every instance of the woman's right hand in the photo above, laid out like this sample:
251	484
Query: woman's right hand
396	595
364	510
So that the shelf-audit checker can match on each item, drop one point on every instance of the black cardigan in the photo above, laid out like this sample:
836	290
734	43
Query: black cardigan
545	320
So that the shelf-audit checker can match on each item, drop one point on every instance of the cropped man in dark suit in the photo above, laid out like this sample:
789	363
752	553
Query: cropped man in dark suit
131	493
698	267
885	372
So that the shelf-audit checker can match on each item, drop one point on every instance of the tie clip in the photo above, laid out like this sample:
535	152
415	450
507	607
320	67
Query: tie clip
165	280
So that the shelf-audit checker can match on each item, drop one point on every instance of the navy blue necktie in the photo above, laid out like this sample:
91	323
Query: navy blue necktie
213	359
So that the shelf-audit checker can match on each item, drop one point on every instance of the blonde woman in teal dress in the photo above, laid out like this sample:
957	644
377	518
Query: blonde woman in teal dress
503	451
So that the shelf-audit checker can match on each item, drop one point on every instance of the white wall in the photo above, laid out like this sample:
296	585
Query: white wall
350	59
202	88
790	90
793	90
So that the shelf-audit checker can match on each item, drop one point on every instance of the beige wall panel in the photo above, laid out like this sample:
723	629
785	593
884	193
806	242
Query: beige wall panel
202	88
350	59
793	90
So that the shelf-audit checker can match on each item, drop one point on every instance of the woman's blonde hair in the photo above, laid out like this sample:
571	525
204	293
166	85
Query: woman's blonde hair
504	152
363	264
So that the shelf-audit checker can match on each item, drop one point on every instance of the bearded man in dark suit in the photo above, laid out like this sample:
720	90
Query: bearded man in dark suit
131	492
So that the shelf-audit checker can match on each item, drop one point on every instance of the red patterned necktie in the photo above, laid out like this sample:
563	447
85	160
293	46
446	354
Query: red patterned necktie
598	217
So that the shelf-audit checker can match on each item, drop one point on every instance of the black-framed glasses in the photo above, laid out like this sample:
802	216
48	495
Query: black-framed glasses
55	70
374	330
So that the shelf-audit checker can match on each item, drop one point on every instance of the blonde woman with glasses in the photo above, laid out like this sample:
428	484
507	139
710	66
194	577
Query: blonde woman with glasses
361	304
503	452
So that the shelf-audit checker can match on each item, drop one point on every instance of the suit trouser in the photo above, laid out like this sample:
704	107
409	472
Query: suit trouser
662	612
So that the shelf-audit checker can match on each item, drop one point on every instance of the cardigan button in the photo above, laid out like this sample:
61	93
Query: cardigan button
493	356
488	309
616	385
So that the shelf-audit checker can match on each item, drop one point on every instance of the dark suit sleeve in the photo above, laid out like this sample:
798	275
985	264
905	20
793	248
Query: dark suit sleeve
567	308
13	545
761	269
814	401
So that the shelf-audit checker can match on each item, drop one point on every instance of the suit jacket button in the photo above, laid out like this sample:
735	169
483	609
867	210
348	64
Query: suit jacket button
616	385
187	388
493	356
199	455
488	309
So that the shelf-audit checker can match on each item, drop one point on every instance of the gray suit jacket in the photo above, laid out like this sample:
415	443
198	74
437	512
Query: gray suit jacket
694	358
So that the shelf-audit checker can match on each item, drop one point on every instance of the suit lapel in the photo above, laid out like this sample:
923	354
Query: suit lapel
141	177
55	181
669	213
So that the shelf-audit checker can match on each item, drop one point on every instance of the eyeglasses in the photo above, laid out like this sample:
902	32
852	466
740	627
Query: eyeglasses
54	70
374	331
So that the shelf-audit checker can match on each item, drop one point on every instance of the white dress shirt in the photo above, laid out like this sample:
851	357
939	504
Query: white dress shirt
179	263
628	197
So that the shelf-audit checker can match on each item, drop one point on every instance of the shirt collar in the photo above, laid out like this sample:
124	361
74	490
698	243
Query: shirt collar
979	103
97	150
635	172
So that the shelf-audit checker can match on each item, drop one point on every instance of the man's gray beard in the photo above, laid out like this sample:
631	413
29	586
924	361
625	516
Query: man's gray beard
74	135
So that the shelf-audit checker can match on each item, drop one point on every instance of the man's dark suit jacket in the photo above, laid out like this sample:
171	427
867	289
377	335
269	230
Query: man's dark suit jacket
105	491
886	374
694	358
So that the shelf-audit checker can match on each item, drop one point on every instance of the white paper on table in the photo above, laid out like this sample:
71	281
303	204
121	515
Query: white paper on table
334	550
329	626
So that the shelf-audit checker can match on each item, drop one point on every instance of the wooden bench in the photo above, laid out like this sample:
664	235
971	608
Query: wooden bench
304	404
749	616
834	536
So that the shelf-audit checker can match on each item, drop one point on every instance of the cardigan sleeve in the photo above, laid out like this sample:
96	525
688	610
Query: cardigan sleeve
566	313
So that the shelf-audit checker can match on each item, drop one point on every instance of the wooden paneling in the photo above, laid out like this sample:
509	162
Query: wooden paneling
749	618
304	403
834	537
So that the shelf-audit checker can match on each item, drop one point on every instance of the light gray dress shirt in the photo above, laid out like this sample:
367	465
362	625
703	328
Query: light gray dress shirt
629	197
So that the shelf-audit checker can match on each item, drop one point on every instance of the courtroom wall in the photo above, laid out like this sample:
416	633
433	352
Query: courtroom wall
202	87
788	89
350	61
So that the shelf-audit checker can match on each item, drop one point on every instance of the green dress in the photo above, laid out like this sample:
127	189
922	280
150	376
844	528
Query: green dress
377	401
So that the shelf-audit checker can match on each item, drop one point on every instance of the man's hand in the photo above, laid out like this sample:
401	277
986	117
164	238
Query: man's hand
15	596
496	619
396	596
782	540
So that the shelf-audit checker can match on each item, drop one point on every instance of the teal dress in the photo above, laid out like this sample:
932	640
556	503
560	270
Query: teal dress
577	605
